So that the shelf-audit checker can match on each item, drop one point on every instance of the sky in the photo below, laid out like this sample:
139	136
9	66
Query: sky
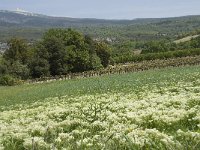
106	9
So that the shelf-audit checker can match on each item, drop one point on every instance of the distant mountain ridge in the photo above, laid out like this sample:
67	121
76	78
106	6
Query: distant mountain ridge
22	12
24	18
31	26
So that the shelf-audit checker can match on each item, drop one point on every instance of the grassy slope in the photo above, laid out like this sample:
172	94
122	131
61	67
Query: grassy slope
26	94
185	39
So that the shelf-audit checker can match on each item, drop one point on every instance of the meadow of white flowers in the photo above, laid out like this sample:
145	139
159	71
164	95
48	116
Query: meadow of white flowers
157	118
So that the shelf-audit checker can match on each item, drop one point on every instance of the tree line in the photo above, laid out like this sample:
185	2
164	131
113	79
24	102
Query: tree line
64	51
59	52
163	46
152	50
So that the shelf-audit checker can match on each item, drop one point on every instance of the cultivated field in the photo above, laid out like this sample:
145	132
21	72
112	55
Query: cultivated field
155	109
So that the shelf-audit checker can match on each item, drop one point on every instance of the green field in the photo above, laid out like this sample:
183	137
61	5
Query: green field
155	109
185	39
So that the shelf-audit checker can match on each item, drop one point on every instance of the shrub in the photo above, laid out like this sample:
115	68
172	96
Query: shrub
8	80
154	56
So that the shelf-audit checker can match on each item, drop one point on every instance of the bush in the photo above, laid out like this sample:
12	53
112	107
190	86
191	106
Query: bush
154	56
19	70
39	68
95	62
104	53
8	80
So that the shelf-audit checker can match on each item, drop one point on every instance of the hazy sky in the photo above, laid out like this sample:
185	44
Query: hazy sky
107	9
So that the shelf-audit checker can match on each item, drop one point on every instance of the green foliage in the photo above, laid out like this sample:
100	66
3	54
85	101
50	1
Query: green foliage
65	50
15	69
163	46
57	55
3	66
19	70
161	55
13	144
17	51
104	53
195	43
118	31
70	51
124	48
15	60
8	80
161	50
59	52
95	62
39	67
155	47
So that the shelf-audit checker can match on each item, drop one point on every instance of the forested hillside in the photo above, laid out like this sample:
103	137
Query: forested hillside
32	26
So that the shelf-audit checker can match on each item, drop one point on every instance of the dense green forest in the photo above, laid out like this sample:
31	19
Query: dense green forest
59	52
